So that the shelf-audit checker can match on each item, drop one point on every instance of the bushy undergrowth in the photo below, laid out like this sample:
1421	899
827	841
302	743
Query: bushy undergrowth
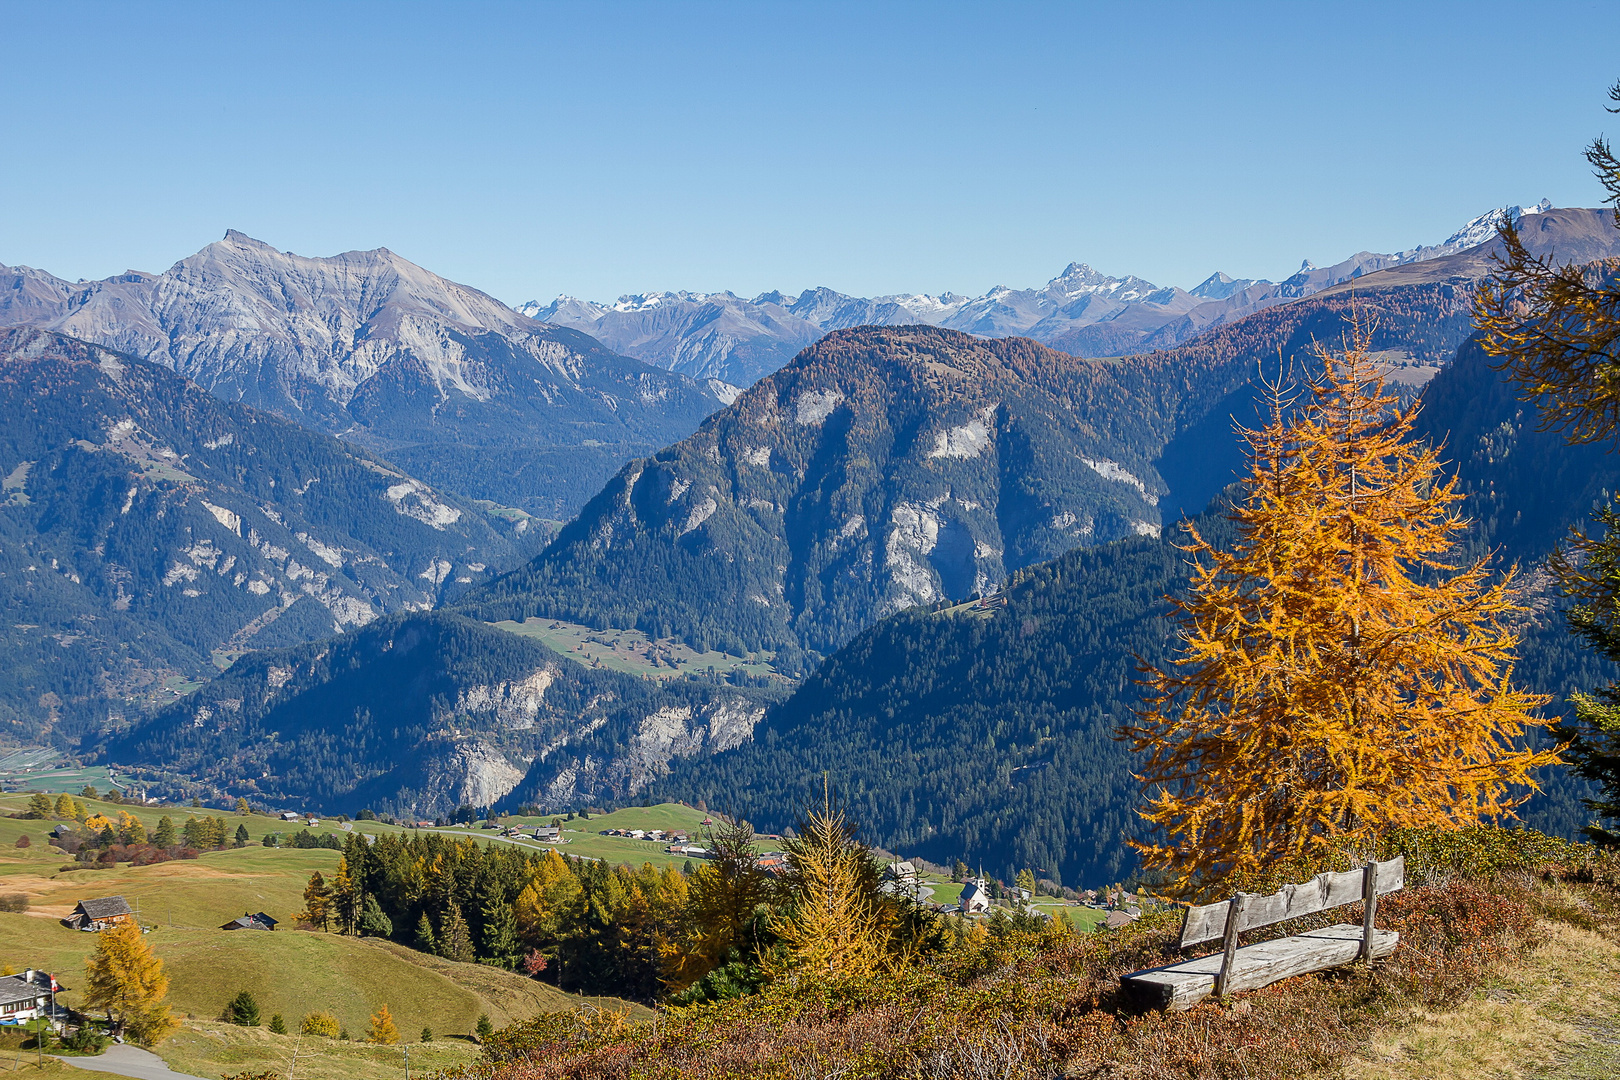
1032	1003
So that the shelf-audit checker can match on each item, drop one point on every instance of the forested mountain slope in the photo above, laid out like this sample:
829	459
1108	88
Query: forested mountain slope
418	714
888	466
990	737
447	381
883	468
145	525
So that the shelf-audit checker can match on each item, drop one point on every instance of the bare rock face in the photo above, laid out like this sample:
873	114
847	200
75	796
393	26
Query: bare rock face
600	771
372	347
467	773
419	714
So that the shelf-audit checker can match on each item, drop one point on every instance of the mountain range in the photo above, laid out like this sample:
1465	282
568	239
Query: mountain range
149	531
885	472
1081	311
447	381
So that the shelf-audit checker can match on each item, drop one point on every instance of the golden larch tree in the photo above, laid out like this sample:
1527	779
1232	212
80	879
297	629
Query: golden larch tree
1556	327
382	1028
1339	674
838	927
125	978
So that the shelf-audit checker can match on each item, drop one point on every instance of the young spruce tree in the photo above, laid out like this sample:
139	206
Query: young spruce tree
1339	675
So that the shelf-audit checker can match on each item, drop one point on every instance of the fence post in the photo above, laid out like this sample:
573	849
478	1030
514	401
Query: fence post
1369	905
1234	917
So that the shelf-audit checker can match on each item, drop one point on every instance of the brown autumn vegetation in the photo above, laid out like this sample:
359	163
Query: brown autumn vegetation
1003	1001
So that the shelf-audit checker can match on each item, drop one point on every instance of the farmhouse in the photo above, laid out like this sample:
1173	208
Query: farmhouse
27	996
251	921
99	914
903	873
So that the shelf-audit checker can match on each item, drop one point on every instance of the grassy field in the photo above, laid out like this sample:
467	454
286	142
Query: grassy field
288	971
58	780
634	652
215	1049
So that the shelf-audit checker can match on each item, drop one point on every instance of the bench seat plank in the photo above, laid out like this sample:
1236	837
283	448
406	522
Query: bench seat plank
1180	986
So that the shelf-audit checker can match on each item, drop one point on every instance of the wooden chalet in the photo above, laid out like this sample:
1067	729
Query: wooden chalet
251	921
99	914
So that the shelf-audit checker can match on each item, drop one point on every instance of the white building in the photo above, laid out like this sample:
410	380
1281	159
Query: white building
25	997
975	897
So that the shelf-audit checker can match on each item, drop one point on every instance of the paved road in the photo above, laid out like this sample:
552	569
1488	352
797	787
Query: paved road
126	1060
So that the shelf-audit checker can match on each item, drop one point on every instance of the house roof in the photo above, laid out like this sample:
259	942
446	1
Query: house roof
106	907
18	988
973	891
251	921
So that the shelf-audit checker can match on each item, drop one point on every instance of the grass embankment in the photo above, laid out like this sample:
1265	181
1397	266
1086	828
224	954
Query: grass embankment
1507	966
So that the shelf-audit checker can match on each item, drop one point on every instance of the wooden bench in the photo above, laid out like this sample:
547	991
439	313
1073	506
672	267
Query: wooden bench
1179	986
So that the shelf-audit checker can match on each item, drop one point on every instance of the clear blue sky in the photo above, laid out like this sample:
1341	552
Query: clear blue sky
532	149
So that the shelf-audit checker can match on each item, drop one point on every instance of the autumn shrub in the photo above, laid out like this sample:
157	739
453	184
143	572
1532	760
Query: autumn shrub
1005	1000
323	1024
14	902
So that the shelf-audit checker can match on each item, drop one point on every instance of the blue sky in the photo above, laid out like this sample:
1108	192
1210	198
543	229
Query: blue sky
532	149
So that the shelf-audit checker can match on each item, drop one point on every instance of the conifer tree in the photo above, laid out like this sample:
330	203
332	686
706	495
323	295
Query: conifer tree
242	806
64	806
382	1028
164	836
455	939
278	1026
426	941
1338	676
40	806
317	901
243	1010
500	933
837	929
345	899
125	979
242	835
1556	330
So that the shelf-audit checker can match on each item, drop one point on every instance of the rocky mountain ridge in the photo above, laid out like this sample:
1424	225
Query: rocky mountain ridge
369	346
1080	311
149	530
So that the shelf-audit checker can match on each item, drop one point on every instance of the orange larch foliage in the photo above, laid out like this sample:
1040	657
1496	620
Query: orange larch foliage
1339	675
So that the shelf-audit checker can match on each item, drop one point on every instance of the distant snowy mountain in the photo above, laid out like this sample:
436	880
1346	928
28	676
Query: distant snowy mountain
722	336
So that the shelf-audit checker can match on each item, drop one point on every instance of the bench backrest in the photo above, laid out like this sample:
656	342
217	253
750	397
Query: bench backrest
1208	922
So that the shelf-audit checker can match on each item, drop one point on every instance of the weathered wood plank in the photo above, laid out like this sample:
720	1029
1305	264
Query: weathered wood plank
1180	986
1207	922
